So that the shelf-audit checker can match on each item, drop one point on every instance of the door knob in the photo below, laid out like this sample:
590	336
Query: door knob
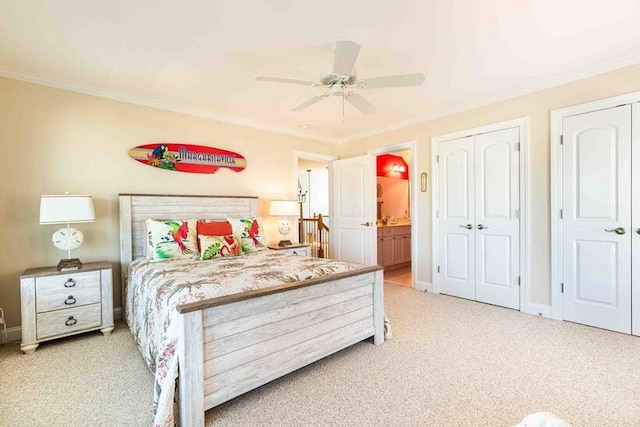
619	230
468	226
638	230
481	227
366	224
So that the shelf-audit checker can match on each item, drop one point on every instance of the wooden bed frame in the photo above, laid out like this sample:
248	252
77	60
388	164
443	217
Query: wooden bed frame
233	344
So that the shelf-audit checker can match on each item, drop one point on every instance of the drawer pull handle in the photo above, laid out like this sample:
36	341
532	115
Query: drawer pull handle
71	321
70	301
70	283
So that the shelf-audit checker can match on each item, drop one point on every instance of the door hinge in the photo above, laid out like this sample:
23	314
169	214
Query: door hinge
517	146
438	214
519	281
517	213
438	269
561	213
561	139
438	159
562	288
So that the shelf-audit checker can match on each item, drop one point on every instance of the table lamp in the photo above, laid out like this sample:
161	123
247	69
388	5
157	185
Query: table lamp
67	209
284	208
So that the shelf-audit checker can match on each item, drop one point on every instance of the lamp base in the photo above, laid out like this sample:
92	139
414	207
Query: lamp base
69	264
282	243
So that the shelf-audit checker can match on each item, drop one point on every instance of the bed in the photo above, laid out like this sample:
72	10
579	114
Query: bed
231	344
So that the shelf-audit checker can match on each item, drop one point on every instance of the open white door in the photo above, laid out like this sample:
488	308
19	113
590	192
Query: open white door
353	210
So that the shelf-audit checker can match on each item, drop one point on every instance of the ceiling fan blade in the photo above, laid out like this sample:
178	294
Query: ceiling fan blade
392	81
308	103
346	52
361	104
282	80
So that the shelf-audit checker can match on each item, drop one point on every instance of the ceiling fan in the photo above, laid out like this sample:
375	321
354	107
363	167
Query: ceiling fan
342	78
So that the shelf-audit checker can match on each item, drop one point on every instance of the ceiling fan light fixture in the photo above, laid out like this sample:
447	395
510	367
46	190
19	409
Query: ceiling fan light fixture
337	89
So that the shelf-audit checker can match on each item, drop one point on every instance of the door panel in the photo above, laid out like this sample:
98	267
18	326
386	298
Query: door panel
595	267
456	202
496	272
497	223
495	175
352	183
457	192
596	170
596	191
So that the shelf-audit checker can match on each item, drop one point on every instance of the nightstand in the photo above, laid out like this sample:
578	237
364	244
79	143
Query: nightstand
57	304
295	249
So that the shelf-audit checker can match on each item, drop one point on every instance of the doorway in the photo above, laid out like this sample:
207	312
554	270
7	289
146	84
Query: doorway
395	223
311	172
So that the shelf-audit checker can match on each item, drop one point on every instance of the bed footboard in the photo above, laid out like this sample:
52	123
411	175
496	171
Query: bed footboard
229	349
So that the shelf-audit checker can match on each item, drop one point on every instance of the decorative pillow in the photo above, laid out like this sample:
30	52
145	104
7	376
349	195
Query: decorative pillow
214	228
249	233
218	246
171	239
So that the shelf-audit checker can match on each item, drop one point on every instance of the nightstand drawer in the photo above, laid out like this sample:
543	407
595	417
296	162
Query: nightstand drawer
304	251
63	322
296	249
64	291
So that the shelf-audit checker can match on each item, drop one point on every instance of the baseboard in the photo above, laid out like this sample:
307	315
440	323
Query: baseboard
15	333
539	310
424	286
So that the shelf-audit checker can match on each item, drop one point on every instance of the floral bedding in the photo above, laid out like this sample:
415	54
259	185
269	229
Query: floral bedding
156	288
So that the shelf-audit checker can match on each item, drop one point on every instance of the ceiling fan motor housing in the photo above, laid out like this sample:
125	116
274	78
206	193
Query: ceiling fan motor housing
332	79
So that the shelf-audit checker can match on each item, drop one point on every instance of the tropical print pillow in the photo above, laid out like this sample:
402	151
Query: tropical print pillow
171	239
249	233
218	246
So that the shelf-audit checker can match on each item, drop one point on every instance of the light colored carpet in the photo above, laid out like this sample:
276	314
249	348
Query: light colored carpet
451	362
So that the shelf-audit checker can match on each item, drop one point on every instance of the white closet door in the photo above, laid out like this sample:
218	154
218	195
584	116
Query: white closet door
456	218
635	226
497	189
596	198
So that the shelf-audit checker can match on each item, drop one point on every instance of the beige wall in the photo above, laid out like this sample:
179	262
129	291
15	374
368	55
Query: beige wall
54	141
537	107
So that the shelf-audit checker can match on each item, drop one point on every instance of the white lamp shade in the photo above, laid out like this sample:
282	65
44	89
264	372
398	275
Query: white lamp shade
284	208
66	209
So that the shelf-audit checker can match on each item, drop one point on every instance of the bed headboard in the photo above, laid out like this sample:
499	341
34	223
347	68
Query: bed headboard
136	208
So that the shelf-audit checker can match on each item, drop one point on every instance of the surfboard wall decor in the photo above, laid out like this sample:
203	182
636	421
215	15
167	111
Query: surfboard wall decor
187	158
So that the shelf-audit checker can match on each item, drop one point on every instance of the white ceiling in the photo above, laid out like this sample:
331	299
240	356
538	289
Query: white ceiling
201	56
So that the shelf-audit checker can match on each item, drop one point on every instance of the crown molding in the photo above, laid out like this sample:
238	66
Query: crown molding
566	78
118	96
569	77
